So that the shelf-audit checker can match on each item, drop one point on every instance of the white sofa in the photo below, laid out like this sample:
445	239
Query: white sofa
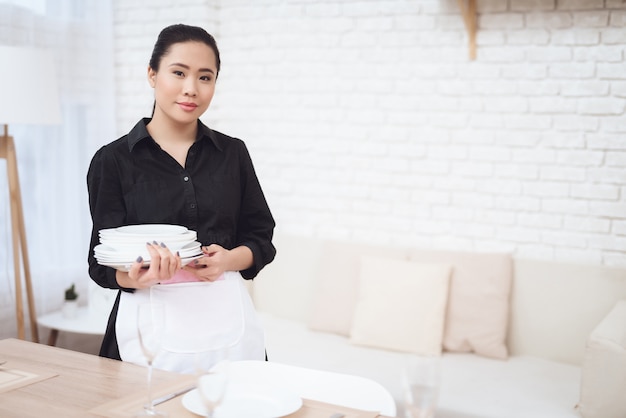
549	312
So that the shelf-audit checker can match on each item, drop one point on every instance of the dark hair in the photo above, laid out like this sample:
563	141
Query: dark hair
181	33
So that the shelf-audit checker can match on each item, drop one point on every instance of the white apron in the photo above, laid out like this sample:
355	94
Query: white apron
200	316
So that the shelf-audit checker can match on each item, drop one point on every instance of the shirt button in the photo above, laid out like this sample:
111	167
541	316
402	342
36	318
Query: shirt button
192	206
186	178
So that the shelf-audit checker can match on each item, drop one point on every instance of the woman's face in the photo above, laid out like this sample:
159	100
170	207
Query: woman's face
185	82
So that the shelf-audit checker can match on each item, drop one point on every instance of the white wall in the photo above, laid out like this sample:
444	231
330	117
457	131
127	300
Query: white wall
367	121
53	160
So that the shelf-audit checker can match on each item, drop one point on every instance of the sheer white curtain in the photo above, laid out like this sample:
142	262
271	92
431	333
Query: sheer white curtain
53	161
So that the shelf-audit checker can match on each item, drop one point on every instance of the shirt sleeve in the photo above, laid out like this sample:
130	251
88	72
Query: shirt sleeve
256	223
107	211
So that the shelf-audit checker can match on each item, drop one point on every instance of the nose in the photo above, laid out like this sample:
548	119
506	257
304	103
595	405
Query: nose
189	88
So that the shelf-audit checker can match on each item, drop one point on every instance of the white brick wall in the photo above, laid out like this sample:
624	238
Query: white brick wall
367	121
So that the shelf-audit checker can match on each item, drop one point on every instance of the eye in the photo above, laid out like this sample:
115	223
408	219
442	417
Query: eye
206	78
178	73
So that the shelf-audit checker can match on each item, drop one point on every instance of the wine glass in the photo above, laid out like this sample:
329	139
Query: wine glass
150	324
422	375
212	367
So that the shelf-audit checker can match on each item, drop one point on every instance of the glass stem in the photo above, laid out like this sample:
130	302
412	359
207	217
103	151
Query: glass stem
149	405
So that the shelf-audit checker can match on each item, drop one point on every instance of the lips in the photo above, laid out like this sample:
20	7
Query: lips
187	106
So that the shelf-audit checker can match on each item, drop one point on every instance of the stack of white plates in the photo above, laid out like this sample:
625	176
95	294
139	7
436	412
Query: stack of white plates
120	247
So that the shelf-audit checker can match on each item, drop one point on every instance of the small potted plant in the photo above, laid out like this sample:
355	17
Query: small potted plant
70	306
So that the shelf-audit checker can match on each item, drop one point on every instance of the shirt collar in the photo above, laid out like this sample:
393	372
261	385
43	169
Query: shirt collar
140	132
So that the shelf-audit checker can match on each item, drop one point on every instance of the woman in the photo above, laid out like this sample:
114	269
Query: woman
172	169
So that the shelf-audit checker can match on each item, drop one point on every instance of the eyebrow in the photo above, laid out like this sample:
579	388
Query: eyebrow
185	66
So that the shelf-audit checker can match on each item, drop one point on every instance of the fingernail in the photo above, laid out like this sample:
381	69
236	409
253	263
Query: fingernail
155	243
177	254
195	262
147	243
163	245
139	259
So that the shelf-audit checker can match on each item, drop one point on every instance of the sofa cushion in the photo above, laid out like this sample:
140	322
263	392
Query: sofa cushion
478	302
401	305
603	380
286	285
336	284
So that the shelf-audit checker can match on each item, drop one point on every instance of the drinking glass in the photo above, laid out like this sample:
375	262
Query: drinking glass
212	367
422	375
150	324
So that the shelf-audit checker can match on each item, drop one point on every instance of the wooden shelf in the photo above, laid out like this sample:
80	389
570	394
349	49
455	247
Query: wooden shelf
468	10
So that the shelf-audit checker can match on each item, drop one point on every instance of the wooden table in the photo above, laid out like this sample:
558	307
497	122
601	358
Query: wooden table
80	383
72	384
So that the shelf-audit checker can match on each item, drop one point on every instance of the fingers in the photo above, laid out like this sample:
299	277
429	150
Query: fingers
212	265
204	268
209	250
176	265
135	268
163	264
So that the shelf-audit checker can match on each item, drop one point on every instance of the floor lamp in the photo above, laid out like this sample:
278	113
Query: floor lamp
28	96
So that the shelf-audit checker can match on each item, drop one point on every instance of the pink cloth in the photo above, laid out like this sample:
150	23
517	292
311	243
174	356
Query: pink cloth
182	276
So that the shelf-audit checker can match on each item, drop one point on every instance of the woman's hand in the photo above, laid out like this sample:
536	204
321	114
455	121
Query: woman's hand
163	265
216	260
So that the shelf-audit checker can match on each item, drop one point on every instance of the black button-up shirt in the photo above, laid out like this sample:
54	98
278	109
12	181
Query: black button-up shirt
217	194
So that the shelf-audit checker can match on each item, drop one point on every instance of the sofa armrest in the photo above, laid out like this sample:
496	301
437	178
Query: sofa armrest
603	380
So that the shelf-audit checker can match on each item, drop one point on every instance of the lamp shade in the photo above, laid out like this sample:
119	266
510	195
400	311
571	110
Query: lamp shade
28	87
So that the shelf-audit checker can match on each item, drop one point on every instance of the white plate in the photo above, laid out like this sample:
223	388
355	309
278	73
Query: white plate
248	401
151	229
125	265
121	239
132	252
133	231
131	257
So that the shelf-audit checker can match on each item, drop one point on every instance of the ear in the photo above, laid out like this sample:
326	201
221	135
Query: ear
151	76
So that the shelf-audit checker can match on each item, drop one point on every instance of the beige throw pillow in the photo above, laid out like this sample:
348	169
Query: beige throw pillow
337	281
478	305
401	305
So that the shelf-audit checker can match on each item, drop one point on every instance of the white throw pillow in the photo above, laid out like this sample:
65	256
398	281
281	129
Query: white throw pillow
401	305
